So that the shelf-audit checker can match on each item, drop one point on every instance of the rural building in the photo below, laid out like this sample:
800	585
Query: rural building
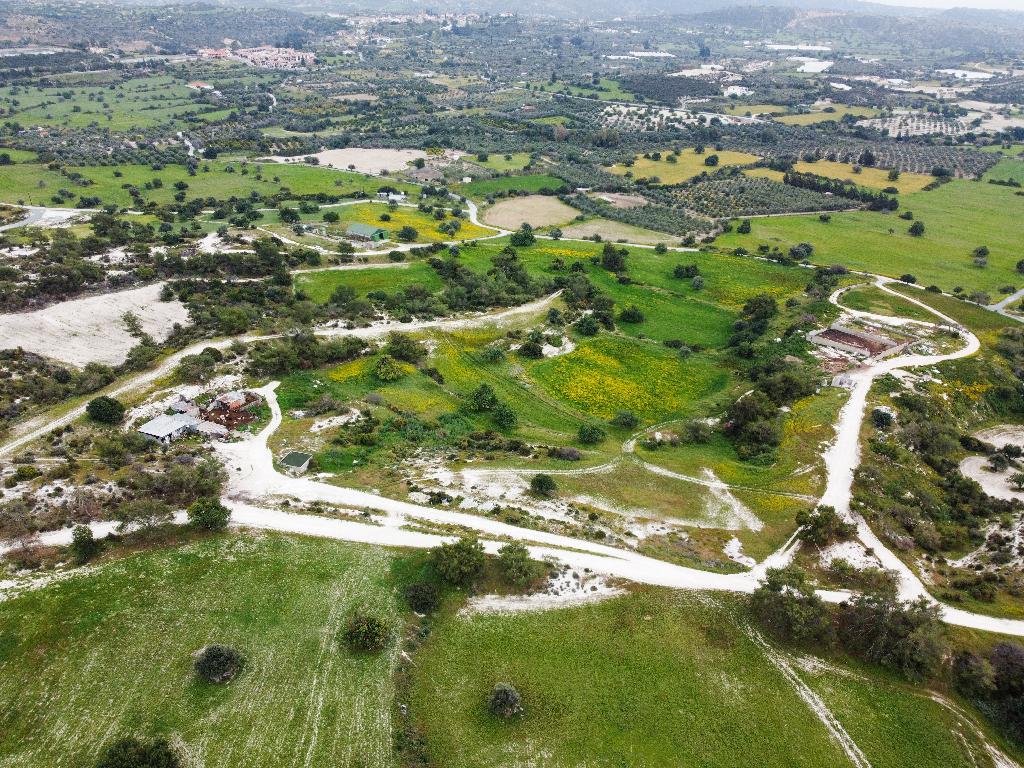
391	197
211	429
427	174
230	401
296	463
366	232
166	429
854	341
185	406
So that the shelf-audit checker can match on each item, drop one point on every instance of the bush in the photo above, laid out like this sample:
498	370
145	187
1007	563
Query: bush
591	434
505	701
422	596
209	514
543	485
822	525
905	637
130	752
632	314
625	420
788	607
84	546
587	326
515	564
105	409
459	562
218	663
367	633
387	369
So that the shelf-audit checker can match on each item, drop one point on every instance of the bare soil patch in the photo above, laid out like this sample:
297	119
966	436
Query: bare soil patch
535	210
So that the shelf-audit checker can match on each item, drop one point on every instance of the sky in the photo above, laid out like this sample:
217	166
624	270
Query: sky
1005	5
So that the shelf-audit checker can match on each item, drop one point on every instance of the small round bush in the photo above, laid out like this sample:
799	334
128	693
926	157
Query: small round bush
218	663
130	752
209	514
543	485
505	701
365	632
105	409
422	596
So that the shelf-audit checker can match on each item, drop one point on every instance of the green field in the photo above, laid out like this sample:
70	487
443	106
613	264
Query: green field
958	217
393	219
104	654
872	299
606	90
839	110
873	178
503	161
654	679
319	286
531	183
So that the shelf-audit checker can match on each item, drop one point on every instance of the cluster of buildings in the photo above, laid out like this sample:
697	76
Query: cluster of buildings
224	413
265	56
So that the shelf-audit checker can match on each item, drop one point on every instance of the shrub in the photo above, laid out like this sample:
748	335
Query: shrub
543	485
822	525
505	701
459	562
105	409
788	607
916	229
209	514
632	314
84	546
130	752
591	434
587	326
905	637
218	663
422	596
387	369
625	420
365	632
515	564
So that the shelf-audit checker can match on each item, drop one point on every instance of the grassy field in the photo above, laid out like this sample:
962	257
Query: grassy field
1010	168
319	286
874	178
688	165
109	653
35	184
754	109
958	217
839	110
657	678
504	161
401	216
606	90
872	299
616	230
530	183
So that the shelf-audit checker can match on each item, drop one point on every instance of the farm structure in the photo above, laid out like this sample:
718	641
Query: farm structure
366	232
855	342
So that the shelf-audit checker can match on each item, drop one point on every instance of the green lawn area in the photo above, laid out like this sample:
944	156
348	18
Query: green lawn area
655	678
874	178
320	285
1009	168
529	183
754	109
108	653
35	184
958	217
688	165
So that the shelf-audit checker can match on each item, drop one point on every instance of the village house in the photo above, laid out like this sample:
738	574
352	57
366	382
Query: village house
166	429
391	197
366	233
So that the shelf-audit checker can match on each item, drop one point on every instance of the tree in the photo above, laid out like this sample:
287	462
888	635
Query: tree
505	701
459	562
822	526
1017	480
208	514
882	418
84	546
543	485
522	237
407	234
711	161
744	227
422	596
218	663
105	410
916	229
625	420
515	564
787	606
905	637
613	259
661	248
365	632
591	434
289	216
402	346
587	326
504	417
131	752
973	675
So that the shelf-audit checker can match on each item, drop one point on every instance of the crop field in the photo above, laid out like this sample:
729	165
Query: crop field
688	165
35	184
108	652
658	678
537	210
958	217
503	161
615	230
873	178
742	110
605	90
526	183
